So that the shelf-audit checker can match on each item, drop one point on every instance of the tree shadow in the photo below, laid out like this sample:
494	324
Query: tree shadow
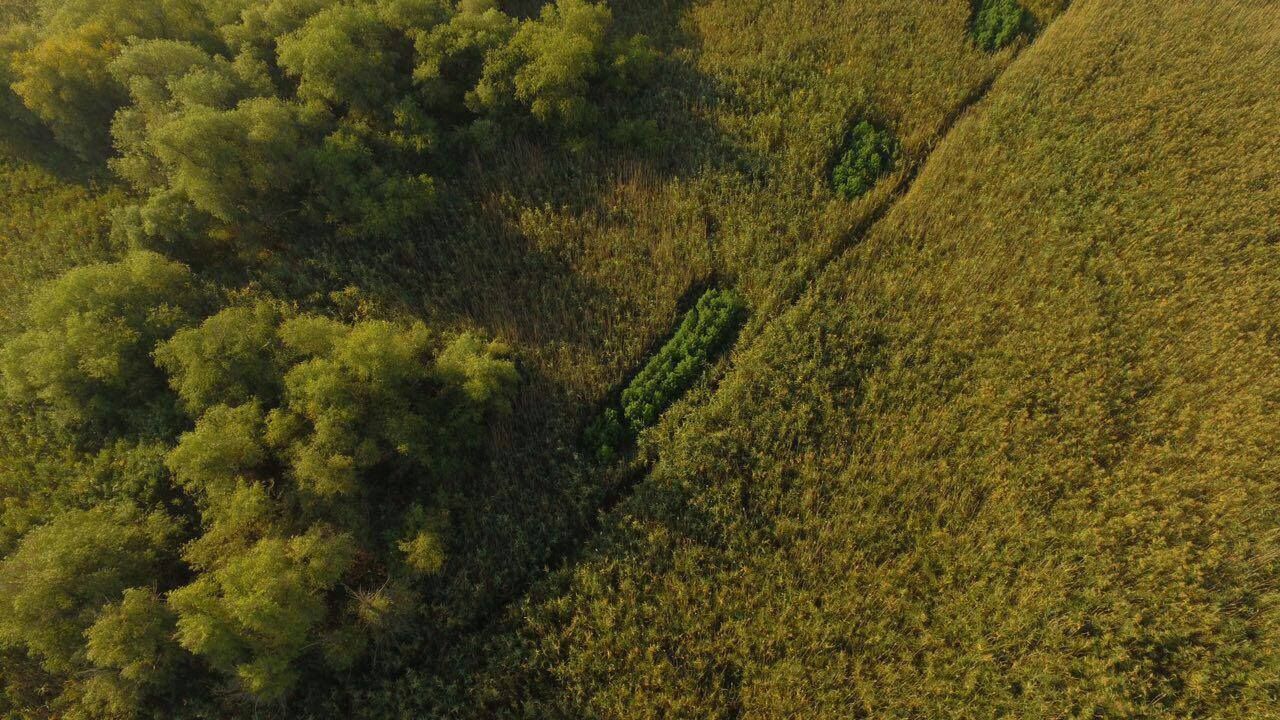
536	503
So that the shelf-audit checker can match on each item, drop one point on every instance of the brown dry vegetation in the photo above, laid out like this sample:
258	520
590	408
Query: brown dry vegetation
1011	456
998	439
582	261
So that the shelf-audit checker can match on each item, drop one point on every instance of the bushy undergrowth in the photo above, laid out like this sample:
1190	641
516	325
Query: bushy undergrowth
996	23
868	154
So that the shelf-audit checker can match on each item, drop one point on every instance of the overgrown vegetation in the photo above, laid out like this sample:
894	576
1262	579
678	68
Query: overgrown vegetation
994	438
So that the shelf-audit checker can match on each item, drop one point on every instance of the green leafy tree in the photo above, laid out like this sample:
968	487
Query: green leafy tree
249	25
225	445
451	55
131	649
337	428
63	80
235	165
253	615
63	573
19	126
86	352
63	76
345	56
552	63
232	357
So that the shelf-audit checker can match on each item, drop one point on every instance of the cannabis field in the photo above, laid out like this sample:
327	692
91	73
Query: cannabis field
645	359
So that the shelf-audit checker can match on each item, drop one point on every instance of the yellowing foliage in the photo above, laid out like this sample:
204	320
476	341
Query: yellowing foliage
1013	455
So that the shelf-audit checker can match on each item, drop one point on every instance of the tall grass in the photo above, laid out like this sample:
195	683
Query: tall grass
1013	456
580	261
47	225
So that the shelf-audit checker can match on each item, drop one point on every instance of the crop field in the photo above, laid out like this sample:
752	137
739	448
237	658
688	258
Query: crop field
639	359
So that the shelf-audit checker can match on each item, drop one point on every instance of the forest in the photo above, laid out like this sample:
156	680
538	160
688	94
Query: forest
381	359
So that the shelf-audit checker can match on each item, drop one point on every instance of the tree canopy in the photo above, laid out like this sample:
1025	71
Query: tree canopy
264	119
286	528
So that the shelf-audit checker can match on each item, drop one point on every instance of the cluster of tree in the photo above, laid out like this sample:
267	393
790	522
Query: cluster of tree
251	495
231	118
705	331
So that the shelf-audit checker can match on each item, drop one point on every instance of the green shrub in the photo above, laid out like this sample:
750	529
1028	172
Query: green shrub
678	364
868	155
606	435
996	23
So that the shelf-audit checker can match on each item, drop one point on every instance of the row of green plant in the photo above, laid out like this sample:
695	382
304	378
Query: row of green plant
704	332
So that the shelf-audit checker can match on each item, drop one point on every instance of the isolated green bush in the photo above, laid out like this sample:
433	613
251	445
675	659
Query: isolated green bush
606	435
996	23
675	367
868	155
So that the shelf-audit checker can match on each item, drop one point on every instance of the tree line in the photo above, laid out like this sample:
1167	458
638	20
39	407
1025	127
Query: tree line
244	121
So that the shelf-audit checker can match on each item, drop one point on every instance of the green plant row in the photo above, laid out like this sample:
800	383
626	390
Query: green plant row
704	332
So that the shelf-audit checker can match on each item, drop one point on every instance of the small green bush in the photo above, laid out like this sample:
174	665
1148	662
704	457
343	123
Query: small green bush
868	155
996	23
606	435
678	364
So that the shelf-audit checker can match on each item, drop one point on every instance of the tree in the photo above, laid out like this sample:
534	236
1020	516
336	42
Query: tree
238	165
252	616
63	573
450	55
225	445
63	76
19	127
86	352
232	357
131	649
553	63
358	422
249	25
344	56
63	80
